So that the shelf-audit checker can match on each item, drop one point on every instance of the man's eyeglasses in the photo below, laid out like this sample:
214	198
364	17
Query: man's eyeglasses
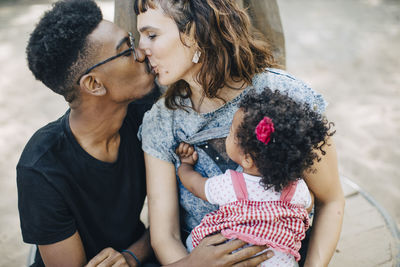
131	49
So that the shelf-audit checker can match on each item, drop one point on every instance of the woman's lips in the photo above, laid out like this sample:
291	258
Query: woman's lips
149	68
152	68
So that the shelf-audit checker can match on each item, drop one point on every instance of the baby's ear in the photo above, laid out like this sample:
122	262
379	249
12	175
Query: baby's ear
247	161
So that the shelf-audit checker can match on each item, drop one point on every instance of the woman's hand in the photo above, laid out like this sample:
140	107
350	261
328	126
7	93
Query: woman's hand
215	251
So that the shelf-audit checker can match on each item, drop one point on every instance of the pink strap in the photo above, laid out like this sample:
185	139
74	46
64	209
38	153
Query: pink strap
288	192
239	185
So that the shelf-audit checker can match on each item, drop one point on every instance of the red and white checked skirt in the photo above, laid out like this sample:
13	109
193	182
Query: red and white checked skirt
278	224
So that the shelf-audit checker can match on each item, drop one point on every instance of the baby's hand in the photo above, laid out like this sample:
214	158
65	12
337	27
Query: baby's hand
186	153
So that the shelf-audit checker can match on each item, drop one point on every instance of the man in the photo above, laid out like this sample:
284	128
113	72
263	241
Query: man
81	179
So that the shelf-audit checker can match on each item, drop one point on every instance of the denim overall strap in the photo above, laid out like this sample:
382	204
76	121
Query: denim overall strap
205	135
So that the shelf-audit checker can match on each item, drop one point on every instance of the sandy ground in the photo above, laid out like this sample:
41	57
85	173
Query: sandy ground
347	50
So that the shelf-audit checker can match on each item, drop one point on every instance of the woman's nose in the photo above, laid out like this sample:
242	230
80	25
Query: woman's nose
144	47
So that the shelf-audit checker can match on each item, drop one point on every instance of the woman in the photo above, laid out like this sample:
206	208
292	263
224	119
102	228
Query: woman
204	51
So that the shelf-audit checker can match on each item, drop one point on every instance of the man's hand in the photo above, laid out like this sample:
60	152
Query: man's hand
186	153
109	257
212	251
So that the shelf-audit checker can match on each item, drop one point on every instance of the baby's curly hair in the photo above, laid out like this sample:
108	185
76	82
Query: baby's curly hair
58	49
298	132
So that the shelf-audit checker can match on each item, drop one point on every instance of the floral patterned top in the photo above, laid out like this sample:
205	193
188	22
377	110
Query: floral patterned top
163	129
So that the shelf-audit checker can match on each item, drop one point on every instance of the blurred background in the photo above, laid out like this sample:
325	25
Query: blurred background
348	50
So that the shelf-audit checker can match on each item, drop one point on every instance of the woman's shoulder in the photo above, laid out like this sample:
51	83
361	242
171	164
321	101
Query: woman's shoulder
158	112
152	118
155	131
277	79
159	107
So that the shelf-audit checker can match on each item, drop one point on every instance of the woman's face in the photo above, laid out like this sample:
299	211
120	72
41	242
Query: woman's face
160	39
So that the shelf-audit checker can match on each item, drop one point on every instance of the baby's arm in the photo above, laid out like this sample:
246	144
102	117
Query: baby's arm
191	179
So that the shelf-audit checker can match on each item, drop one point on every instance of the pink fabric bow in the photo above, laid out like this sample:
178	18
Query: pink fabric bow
264	130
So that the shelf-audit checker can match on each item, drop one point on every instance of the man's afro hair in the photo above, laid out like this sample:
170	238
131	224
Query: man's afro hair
57	41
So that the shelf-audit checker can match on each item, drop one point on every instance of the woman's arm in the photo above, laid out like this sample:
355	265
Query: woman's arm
214	251
162	195
329	207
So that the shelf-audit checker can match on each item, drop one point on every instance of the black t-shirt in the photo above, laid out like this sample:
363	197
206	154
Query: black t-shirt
62	189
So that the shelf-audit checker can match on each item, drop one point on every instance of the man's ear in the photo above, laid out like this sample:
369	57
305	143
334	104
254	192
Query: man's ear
92	85
247	161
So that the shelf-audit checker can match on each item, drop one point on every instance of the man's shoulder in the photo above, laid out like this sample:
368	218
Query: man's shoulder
41	142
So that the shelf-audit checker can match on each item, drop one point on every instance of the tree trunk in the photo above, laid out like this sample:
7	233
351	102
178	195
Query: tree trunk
125	17
264	15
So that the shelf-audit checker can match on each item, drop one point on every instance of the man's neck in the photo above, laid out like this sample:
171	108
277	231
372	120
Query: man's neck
96	128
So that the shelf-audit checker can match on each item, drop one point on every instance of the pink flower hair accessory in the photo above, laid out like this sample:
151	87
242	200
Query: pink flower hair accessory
264	130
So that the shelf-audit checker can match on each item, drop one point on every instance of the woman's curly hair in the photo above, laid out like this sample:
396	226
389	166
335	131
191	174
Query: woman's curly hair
230	50
299	131
58	49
